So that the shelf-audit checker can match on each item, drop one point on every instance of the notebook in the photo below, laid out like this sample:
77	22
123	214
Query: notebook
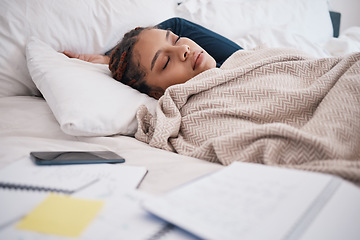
25	175
253	201
24	180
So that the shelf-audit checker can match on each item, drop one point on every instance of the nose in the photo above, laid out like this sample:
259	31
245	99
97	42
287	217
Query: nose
183	52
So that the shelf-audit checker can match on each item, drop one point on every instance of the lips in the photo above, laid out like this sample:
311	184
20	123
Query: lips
197	59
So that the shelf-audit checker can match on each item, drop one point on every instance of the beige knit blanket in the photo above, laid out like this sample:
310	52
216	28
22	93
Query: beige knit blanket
271	106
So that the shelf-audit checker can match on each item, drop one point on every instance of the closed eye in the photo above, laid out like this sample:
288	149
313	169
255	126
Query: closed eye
167	62
177	39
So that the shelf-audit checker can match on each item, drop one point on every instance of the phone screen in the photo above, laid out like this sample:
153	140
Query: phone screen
75	157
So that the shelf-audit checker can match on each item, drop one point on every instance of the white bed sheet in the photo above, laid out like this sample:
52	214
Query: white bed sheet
348	42
27	124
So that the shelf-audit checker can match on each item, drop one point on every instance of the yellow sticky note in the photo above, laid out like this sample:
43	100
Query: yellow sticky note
61	215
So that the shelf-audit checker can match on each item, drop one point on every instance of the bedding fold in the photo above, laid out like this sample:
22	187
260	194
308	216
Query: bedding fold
278	107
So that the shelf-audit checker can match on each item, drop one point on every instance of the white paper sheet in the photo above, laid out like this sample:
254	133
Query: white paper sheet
235	202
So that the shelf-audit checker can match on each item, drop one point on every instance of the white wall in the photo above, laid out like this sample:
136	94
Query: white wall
350	12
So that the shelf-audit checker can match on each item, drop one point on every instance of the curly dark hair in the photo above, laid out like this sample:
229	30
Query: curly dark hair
122	65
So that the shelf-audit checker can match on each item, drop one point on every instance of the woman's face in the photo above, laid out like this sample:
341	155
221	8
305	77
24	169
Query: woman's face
169	59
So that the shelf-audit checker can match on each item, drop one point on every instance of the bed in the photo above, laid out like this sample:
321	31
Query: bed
49	102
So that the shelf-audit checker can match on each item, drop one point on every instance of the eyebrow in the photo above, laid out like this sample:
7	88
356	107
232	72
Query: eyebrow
159	51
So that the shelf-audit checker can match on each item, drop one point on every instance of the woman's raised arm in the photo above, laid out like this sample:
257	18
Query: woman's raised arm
93	58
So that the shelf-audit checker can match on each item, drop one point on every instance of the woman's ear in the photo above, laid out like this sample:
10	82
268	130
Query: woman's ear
156	93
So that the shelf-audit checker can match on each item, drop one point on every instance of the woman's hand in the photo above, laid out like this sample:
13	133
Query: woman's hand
93	58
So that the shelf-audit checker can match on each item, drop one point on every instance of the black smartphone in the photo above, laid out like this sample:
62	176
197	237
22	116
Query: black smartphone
75	157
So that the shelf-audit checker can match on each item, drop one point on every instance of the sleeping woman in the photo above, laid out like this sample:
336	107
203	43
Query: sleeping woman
272	106
154	58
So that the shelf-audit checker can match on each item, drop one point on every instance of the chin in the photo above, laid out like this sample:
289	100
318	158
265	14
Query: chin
211	62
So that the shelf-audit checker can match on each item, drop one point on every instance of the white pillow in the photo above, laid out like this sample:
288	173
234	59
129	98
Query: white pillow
237	18
83	96
87	26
